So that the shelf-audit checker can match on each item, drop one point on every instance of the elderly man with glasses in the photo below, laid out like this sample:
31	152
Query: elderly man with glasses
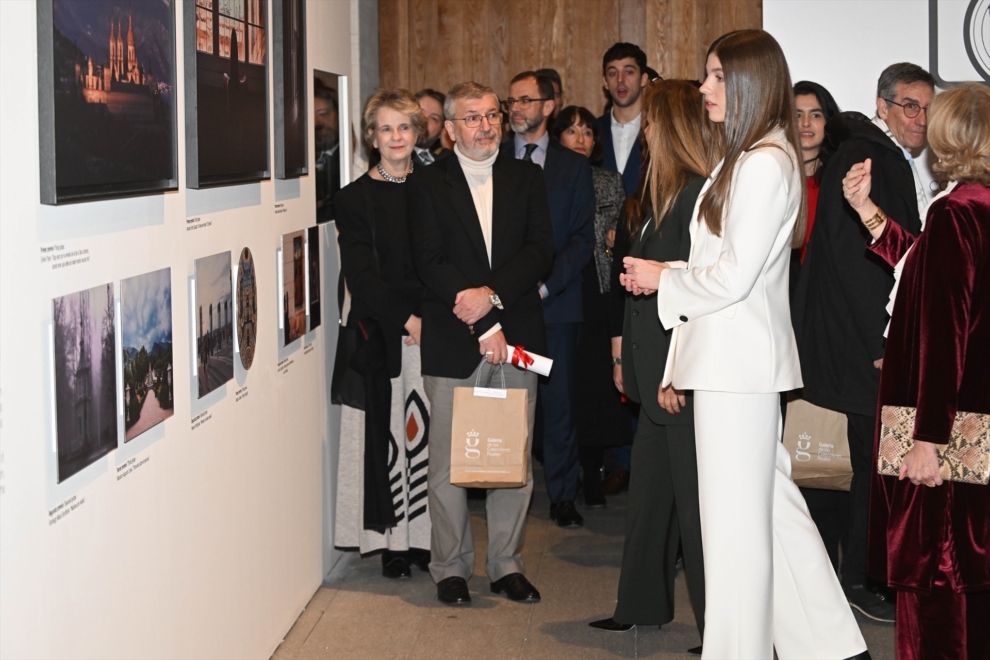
481	241
840	313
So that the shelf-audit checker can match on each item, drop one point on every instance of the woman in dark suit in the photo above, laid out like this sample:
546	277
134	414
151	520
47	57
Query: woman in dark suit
663	487
381	479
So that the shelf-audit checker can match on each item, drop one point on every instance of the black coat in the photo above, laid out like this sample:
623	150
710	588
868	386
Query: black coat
644	339
379	273
840	304
450	255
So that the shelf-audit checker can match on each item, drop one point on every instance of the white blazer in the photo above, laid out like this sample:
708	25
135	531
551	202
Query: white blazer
729	307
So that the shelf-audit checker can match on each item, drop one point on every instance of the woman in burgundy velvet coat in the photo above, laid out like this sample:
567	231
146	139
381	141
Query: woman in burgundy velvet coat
928	538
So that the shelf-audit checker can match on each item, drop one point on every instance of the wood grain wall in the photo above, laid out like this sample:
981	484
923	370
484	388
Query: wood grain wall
437	43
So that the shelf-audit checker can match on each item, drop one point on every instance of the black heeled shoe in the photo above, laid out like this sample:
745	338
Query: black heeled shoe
611	625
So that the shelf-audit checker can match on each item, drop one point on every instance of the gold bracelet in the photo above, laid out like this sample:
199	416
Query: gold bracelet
878	219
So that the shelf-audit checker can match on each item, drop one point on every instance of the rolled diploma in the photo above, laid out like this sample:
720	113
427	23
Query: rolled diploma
541	365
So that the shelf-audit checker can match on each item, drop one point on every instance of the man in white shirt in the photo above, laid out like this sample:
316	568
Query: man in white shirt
624	78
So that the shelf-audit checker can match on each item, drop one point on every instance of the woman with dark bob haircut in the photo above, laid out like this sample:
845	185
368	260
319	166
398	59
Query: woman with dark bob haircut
929	537
769	583
602	419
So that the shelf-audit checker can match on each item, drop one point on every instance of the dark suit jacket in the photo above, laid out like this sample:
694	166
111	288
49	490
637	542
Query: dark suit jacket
571	196
630	176
840	304
386	287
644	340
450	255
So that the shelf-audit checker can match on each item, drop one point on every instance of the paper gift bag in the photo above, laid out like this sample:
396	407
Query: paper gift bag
489	441
818	445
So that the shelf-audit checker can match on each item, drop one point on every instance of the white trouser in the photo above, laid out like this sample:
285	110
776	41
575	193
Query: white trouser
768	579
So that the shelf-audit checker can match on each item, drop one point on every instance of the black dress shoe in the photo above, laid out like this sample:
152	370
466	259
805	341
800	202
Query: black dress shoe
566	515
395	565
517	588
865	655
420	558
453	591
611	625
695	651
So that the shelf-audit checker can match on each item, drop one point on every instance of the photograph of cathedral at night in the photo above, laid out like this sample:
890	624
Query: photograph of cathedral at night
85	378
231	91
114	96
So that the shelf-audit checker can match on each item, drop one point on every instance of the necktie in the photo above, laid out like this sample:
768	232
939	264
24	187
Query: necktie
426	157
530	148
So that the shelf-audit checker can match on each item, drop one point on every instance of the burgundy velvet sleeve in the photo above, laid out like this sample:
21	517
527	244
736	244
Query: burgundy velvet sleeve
944	272
893	243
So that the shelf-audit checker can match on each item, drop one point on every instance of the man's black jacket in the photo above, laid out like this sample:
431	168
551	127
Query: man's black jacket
840	304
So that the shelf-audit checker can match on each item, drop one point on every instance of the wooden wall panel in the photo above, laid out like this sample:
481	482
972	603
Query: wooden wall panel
437	43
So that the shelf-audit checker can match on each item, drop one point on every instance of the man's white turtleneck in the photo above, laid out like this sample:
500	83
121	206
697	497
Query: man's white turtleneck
479	177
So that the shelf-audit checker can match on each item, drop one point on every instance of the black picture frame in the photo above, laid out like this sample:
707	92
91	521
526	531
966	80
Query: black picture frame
107	118
289	70
226	98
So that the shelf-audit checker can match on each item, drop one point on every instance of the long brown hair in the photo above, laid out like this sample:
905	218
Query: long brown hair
758	99
678	136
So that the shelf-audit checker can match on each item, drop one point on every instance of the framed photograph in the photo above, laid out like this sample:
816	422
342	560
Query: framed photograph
329	114
146	343
106	96
289	69
226	78
214	323
293	287
85	359
247	308
313	249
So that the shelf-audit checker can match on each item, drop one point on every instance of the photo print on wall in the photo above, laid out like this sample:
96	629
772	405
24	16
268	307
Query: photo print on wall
226	77
214	323
106	91
85	378
247	308
293	287
326	125
313	245
146	340
289	72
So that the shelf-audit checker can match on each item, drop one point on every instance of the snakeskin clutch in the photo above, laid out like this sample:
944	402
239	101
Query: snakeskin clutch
965	459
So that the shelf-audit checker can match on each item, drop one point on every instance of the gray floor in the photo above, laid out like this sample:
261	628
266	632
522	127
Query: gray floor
359	614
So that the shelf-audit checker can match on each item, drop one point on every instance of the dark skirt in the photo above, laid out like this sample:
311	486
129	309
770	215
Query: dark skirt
603	420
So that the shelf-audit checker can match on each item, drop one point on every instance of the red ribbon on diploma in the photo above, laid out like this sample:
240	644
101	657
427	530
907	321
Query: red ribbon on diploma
521	356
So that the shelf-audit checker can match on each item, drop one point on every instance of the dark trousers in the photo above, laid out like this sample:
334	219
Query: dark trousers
560	444
861	429
663	512
830	511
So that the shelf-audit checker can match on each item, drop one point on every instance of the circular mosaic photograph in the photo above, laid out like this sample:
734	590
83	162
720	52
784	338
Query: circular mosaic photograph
247	308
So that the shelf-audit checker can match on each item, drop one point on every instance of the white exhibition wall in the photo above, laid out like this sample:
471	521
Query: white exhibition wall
846	44
206	536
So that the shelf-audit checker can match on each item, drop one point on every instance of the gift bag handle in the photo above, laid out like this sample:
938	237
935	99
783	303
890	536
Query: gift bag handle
491	374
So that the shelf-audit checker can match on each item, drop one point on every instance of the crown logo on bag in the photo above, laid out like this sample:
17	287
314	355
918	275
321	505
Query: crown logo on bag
804	436
471	449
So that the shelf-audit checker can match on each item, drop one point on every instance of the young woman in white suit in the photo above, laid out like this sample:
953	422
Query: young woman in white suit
769	582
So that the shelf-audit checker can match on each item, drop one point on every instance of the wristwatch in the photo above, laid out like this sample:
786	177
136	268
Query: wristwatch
494	299
617	362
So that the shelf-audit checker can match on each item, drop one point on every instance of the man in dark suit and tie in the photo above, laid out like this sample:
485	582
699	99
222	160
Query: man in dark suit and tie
624	77
481	241
571	196
430	147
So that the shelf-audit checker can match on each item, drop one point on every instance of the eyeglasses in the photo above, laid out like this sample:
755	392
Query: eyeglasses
911	110
524	102
474	121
